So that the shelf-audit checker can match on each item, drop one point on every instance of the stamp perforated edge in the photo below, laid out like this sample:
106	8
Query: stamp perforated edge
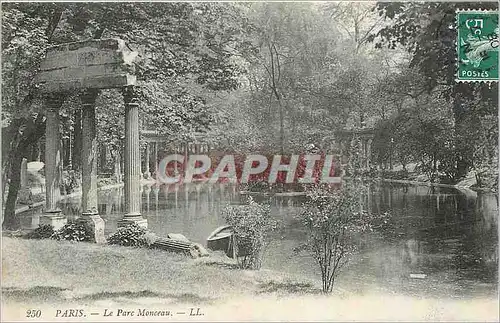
457	12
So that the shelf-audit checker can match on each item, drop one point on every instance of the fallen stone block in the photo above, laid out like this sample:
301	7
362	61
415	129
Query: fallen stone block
202	251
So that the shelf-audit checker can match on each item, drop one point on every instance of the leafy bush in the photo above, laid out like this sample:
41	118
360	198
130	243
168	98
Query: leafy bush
73	231
333	219
250	224
131	235
42	232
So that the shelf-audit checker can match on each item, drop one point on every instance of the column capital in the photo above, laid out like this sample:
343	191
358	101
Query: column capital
130	95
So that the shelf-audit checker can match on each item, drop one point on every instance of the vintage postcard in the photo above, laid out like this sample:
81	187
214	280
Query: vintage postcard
249	161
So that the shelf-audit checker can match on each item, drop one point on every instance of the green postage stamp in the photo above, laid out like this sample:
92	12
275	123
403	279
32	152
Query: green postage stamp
477	45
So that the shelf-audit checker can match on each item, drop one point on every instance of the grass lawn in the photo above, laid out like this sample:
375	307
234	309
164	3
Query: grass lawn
49	274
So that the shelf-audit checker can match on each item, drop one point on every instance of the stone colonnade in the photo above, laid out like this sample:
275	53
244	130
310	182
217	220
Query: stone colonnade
53	214
151	155
343	139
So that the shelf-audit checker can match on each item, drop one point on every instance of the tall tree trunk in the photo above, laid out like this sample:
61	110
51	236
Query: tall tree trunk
282	128
103	159
459	113
9	138
20	150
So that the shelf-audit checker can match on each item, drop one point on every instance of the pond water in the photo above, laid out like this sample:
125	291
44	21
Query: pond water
448	235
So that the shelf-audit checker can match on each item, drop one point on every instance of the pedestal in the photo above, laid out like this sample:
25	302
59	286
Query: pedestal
96	224
54	218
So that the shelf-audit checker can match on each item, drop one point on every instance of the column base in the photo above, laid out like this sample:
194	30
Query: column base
96	225
131	219
54	218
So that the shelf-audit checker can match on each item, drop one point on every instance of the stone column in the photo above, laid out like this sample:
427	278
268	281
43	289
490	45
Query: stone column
132	161
90	215
53	214
147	174
368	152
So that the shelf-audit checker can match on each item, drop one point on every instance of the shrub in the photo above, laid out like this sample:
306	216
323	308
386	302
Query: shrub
131	235
250	224
73	231
44	231
333	219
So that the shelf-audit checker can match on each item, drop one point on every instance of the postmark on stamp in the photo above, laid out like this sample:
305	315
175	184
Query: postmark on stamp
477	45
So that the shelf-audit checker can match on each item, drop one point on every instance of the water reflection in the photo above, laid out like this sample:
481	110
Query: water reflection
448	235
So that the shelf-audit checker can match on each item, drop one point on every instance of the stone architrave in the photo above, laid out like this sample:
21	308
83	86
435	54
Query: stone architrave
91	64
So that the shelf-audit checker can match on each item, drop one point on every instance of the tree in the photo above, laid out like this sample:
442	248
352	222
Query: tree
334	220
26	31
177	49
426	31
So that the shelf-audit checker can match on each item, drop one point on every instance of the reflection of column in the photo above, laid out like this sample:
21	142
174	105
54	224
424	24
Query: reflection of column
147	174
53	214
198	201
156	159
132	161
157	191
210	197
368	152
148	191
176	190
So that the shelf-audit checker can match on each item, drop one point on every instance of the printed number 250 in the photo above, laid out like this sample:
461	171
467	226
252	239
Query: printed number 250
33	313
